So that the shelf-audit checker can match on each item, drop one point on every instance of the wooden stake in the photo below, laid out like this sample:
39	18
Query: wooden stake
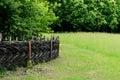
0	37
10	38
51	46
29	50
16	38
29	64
58	46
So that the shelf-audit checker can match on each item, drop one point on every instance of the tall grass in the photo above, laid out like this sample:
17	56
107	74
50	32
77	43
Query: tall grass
83	56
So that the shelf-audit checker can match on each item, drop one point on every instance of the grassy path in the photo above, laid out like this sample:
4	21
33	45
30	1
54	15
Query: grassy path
83	56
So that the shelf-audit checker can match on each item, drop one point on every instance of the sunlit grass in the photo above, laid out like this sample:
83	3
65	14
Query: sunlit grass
83	56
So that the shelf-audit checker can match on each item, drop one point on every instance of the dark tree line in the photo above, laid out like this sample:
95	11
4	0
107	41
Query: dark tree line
87	15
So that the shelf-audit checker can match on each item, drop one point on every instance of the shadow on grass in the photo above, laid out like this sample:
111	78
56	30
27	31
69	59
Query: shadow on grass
3	71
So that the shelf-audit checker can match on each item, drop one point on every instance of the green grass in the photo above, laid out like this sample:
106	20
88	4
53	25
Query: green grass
83	56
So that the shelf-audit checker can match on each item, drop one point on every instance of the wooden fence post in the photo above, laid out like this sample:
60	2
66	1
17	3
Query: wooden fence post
16	38
51	46
29	63
58	45
0	37
10	38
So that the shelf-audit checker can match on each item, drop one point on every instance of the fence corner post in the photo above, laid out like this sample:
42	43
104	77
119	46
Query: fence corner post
51	46
29	62
58	46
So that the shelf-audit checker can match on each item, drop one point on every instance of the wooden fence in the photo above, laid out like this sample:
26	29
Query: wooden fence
19	53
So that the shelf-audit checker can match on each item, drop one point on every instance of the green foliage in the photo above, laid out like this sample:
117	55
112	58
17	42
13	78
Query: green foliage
25	18
3	72
29	64
88	15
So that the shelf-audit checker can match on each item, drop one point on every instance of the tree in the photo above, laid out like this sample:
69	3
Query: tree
110	11
8	15
38	16
118	4
87	15
25	18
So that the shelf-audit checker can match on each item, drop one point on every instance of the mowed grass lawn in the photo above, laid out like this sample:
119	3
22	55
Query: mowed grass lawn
83	56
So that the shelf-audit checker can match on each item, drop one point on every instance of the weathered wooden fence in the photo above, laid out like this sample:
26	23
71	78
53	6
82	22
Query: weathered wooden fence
18	53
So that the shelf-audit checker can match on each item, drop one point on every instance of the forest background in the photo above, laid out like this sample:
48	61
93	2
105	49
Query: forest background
27	18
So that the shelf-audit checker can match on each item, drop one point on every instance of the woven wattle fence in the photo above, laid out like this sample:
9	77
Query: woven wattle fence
19	53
